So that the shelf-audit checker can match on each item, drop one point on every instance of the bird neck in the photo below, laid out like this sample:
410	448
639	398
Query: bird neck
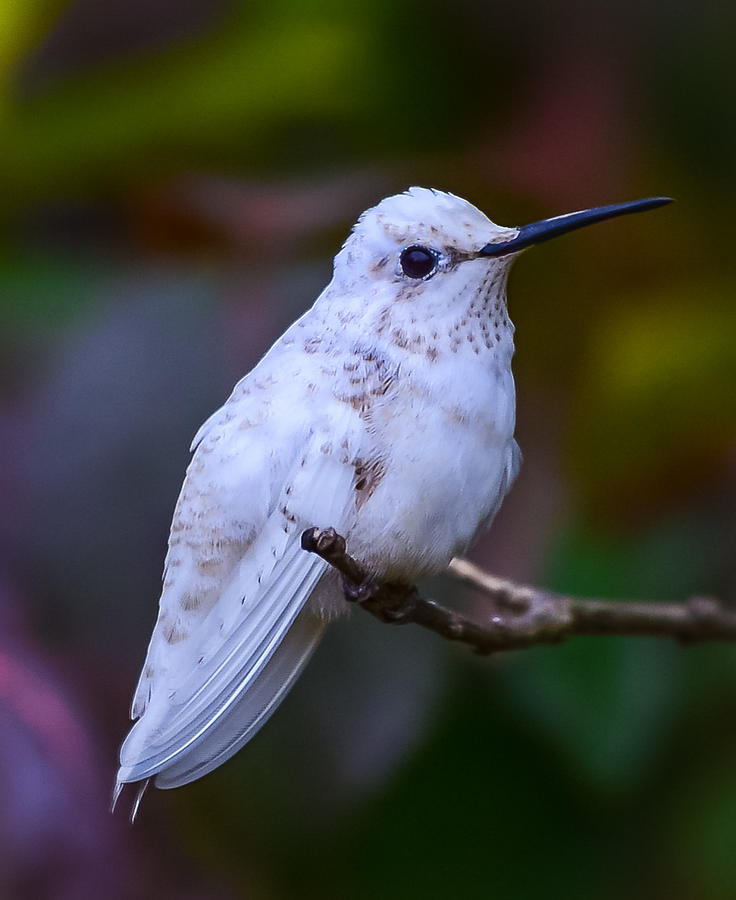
473	324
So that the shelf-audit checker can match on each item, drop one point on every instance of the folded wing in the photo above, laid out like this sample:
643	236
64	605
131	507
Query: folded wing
234	631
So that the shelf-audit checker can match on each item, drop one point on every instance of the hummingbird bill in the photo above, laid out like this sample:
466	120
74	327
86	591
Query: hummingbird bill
386	412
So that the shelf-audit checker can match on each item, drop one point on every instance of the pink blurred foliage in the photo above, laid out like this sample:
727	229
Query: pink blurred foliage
56	835
63	699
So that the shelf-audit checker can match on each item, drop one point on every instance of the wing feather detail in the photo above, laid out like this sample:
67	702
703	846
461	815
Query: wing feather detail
204	694
174	726
244	719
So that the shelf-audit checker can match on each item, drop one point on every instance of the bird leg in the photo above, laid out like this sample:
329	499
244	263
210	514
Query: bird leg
388	601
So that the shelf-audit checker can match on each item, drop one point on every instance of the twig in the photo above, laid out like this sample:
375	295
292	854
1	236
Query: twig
520	616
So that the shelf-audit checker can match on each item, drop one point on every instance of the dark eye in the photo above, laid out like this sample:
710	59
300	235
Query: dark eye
418	262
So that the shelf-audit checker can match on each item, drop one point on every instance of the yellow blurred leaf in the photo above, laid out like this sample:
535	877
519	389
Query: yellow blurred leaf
22	23
657	405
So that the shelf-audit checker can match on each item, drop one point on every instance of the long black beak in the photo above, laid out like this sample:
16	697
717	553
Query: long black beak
551	228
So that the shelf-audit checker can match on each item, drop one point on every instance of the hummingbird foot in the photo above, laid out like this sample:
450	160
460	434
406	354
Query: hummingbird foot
361	592
388	601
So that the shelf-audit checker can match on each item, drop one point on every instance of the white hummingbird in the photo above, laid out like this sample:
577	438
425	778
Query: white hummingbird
387	412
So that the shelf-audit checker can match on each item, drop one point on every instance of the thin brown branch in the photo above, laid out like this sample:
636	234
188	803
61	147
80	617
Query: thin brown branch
520	616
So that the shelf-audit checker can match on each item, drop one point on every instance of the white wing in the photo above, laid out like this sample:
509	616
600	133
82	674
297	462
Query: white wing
232	633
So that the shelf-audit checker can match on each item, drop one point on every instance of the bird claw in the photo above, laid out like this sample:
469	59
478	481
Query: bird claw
360	593
391	603
401	609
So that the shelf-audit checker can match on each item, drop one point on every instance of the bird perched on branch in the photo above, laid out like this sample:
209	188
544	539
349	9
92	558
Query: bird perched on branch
387	412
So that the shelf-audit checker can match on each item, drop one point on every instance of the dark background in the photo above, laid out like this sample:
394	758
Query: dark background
175	177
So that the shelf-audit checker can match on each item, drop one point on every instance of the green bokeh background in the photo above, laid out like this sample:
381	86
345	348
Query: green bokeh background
175	178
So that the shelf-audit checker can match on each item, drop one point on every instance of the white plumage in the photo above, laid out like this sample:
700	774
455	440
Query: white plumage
387	412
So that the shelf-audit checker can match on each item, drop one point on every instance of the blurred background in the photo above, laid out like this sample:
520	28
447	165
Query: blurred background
176	176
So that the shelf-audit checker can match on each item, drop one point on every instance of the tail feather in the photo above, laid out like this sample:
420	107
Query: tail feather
247	716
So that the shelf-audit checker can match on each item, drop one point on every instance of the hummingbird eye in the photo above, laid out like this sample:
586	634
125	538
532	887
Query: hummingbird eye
418	262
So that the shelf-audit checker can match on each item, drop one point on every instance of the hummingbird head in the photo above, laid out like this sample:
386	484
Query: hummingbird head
426	256
416	244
